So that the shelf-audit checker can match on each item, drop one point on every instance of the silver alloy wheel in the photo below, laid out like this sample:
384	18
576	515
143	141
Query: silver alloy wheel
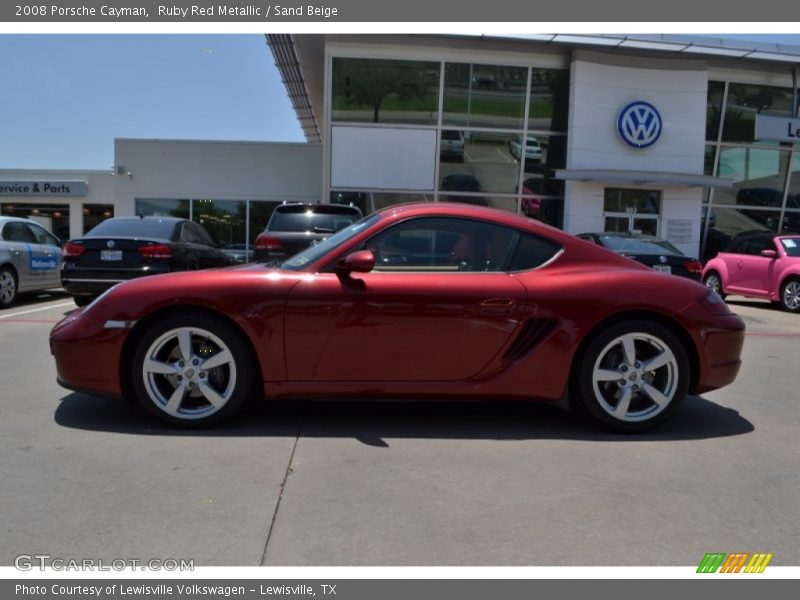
189	373
635	377
8	287
791	295
713	282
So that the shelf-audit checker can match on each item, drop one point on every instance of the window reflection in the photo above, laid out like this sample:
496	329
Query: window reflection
758	175
745	101
549	105
162	207
716	90
484	95
385	91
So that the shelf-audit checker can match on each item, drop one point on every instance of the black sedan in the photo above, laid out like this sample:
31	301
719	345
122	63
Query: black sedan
649	250
127	247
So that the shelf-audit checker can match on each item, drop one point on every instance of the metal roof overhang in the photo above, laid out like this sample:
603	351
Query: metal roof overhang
643	177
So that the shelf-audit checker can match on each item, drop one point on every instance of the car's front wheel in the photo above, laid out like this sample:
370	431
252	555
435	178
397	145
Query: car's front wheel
790	295
192	370
633	375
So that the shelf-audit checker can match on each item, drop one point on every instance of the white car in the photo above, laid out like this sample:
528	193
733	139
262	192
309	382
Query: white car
533	151
30	259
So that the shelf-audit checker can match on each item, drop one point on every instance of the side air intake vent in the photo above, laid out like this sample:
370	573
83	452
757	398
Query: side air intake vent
533	332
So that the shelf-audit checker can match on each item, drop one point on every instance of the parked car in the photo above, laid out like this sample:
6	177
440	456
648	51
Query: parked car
125	248
476	303
451	146
758	265
238	253
649	250
533	151
295	226
531	202
30	257
463	182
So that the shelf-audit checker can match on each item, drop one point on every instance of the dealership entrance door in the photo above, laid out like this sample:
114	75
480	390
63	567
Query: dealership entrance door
632	210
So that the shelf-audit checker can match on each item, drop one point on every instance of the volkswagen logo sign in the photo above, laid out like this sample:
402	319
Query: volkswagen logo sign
110	243
639	124
662	258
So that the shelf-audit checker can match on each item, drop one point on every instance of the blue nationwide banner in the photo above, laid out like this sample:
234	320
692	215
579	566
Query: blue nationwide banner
445	11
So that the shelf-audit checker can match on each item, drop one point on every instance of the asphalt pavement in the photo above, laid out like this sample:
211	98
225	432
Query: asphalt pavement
399	483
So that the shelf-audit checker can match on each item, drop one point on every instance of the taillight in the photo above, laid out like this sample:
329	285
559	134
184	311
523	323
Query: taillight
693	266
155	252
72	250
267	242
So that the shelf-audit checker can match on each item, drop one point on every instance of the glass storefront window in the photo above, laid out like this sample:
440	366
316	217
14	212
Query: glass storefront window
53	217
385	91
549	103
162	207
758	175
225	220
794	183
745	101
94	214
260	212
708	160
484	95
487	162
716	90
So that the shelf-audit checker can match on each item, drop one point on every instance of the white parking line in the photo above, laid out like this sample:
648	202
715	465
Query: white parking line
33	310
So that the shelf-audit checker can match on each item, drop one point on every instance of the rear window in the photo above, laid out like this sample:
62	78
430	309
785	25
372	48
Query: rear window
134	227
306	219
638	245
532	252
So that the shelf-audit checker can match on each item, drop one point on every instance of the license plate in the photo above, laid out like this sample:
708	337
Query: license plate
663	269
111	255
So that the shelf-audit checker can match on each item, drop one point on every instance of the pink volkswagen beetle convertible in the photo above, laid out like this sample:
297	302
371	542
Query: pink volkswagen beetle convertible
759	265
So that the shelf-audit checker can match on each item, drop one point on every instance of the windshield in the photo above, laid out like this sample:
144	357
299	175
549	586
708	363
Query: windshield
791	246
627	245
311	254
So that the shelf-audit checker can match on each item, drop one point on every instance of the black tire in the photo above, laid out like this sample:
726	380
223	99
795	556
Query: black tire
713	280
789	295
81	301
231	382
650	339
8	287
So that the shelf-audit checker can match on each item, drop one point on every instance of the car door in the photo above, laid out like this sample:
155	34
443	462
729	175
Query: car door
196	257
19	238
208	253
435	308
751	272
46	256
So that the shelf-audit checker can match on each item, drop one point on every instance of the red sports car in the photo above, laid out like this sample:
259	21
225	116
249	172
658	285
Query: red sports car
429	300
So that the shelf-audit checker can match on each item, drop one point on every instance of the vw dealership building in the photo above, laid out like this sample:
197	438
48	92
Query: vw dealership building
691	139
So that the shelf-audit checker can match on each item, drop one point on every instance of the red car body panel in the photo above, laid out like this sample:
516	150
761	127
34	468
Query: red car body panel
755	275
319	334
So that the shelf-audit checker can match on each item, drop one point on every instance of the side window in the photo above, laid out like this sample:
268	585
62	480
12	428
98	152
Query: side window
18	232
442	244
755	245
531	252
203	235
43	236
188	234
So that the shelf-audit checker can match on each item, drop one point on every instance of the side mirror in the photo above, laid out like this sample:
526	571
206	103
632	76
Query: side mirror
362	261
769	253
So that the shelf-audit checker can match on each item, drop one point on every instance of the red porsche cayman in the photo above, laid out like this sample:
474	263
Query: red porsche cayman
425	301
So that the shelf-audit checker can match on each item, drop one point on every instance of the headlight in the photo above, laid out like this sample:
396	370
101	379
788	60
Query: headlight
713	303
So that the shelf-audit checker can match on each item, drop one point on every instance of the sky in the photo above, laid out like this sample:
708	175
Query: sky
64	98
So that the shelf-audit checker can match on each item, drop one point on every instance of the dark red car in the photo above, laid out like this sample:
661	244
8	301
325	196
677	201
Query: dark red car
429	300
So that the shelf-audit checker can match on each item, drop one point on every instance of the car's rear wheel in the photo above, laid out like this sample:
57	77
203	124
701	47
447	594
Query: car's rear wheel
714	281
8	287
790	295
192	370
633	375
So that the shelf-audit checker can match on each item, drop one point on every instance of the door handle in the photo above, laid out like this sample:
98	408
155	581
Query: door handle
498	305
